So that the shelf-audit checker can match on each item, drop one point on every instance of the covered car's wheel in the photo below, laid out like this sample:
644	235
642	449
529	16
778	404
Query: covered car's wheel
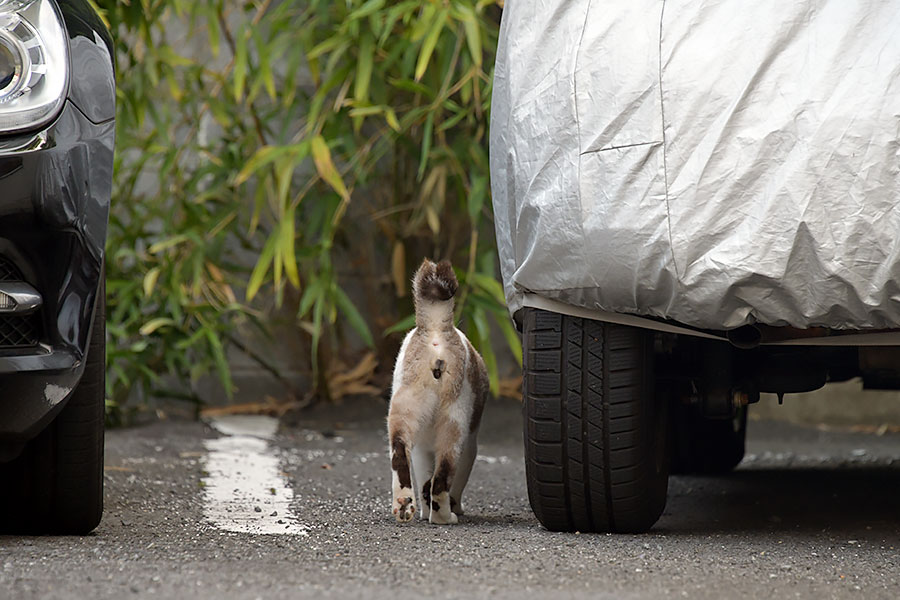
56	484
706	446
595	434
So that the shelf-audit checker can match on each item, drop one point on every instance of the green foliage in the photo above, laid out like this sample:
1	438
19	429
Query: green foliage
248	132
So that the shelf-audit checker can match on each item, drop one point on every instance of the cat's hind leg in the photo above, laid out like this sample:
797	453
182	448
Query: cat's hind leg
448	448
463	470
423	470
440	491
400	438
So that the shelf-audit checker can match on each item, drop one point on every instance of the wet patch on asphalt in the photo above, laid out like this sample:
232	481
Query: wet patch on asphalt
244	489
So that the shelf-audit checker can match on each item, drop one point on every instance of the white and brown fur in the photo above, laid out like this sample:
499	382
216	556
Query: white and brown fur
439	390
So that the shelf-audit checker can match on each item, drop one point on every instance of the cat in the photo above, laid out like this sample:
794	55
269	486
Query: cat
439	390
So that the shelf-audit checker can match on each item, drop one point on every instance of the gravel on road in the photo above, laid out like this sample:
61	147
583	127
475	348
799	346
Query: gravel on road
810	514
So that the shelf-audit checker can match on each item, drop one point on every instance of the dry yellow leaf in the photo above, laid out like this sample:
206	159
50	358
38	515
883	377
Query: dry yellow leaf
398	268
344	381
511	387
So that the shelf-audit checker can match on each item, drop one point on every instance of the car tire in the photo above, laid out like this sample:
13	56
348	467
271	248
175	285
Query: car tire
56	485
595	433
706	446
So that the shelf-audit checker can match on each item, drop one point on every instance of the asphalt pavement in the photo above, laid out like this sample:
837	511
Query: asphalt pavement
240	509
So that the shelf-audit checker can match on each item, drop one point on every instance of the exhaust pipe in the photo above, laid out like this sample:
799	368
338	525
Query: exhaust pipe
745	337
748	337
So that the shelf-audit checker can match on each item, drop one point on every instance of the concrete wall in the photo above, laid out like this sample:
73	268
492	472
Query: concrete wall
836	404
368	282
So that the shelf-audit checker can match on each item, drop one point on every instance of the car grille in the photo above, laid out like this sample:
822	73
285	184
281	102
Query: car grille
8	271
17	331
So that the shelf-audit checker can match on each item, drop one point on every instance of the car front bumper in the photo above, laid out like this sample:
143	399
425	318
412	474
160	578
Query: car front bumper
55	188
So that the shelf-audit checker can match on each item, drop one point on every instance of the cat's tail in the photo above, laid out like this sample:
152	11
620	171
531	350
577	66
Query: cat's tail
434	282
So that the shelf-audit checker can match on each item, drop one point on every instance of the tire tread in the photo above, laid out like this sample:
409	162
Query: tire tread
601	472
56	484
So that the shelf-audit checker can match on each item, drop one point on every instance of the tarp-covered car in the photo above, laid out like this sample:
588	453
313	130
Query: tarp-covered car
57	132
695	201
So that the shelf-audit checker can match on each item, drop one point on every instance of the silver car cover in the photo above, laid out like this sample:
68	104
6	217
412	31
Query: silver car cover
713	162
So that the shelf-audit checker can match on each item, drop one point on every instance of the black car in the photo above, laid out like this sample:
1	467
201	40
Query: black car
57	133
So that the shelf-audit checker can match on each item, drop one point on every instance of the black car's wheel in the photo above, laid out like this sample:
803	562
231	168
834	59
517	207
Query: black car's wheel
595	434
706	446
56	484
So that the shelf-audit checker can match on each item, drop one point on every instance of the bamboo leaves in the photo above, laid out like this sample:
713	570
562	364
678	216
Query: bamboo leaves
431	39
237	164
364	69
466	14
325	166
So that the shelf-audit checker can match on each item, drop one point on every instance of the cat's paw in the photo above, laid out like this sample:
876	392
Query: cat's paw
404	509
456	507
439	518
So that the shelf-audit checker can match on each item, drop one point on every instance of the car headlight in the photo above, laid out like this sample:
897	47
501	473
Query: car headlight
34	63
